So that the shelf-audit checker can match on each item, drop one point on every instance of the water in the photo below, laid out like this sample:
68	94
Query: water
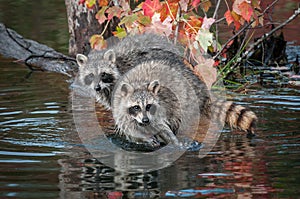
42	156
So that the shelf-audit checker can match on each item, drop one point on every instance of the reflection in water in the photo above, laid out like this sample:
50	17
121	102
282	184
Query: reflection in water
42	156
41	153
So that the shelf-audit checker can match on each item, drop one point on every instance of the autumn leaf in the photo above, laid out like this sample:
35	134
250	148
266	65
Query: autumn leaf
90	3
195	3
128	20
169	9
228	17
100	16
205	5
205	38
103	3
144	20
194	24
184	5
246	10
125	5
236	20
97	42
120	32
235	6
150	7
81	2
207	22
207	72
158	27
113	11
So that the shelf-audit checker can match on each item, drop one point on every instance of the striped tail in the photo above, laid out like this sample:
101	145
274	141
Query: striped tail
236	116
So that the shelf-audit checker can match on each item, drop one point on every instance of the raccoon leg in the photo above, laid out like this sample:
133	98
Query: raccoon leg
168	136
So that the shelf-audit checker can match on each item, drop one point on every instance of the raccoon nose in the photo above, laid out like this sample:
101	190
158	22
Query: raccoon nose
98	88
146	120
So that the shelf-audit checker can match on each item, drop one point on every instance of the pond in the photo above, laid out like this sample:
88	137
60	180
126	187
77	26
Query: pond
42	155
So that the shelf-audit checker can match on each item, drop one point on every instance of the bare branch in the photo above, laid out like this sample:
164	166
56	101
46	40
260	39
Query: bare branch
243	29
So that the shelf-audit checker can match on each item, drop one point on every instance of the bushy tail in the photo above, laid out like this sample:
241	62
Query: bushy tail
236	116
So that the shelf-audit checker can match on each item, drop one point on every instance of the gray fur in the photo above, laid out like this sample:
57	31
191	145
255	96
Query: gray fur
120	58
179	97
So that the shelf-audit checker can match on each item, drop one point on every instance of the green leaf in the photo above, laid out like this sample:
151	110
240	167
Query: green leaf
128	20
205	38
120	32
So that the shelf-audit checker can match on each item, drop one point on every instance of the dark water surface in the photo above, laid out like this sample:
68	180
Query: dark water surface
42	156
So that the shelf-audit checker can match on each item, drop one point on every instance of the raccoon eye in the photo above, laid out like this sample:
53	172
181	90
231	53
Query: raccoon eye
148	107
89	79
134	109
137	108
106	77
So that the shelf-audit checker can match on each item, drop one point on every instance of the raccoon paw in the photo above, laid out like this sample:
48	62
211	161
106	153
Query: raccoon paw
153	142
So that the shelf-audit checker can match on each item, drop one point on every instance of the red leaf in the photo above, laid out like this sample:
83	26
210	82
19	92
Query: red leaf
195	3
81	2
228	17
246	10
150	7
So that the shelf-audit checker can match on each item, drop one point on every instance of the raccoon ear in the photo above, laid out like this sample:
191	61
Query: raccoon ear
126	89
154	86
81	60
110	55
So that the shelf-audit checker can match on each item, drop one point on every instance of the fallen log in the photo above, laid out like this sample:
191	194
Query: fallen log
33	54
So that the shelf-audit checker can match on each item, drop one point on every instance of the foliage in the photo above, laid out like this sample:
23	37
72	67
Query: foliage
186	21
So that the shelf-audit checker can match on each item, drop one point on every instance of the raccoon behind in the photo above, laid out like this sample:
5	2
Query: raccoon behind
117	60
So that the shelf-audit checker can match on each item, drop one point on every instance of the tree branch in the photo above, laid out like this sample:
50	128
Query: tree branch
265	36
243	29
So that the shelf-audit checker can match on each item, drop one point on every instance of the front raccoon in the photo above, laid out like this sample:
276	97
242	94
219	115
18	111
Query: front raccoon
140	117
160	93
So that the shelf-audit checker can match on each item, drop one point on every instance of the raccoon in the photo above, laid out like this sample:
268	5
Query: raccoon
140	117
120	58
131	52
174	93
94	79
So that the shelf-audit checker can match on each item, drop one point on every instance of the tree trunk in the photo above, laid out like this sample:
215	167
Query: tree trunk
82	25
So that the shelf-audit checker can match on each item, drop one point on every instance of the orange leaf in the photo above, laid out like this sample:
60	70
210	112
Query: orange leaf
228	17
103	3
205	5
246	10
236	20
97	42
194	25
150	7
170	10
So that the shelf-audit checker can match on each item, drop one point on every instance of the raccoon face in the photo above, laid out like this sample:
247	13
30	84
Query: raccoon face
141	103
98	73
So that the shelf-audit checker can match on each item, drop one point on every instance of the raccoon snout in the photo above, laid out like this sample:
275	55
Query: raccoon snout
145	120
97	88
